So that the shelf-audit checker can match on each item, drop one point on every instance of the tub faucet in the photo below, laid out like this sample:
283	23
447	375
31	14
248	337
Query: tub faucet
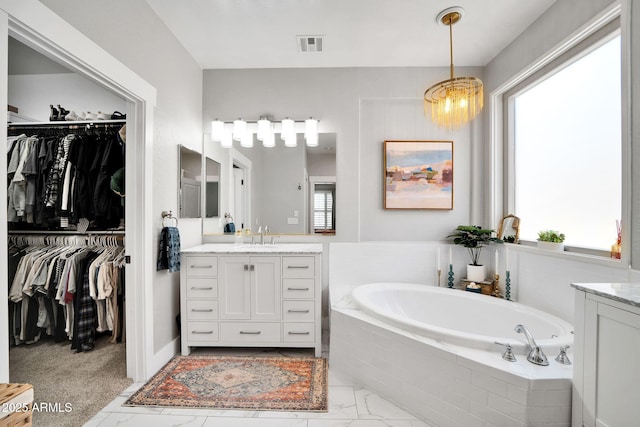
536	355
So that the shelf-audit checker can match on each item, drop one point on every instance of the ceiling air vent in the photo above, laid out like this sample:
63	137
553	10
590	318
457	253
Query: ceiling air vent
310	43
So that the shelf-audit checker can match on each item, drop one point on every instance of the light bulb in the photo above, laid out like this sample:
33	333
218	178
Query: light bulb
239	129
217	129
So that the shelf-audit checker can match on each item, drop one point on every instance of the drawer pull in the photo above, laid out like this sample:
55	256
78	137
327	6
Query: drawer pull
250	332
298	266
202	310
297	289
299	333
201	266
293	310
202	332
196	288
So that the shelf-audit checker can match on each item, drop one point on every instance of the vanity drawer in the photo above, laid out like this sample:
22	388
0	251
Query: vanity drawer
298	332
250	332
298	288
202	331
298	311
201	266
202	288
298	266
202	310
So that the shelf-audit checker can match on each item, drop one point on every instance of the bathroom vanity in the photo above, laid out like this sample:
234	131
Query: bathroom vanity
607	340
251	296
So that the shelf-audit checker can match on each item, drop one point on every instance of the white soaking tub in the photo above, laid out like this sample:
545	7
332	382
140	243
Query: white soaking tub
462	318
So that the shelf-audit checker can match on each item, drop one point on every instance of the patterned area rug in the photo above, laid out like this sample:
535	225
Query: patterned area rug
255	383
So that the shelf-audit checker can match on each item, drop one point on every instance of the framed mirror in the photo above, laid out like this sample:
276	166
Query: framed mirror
190	177
509	229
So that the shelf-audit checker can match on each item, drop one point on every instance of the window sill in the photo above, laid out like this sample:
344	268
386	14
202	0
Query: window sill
569	255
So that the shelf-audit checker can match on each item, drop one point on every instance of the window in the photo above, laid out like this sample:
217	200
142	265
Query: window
566	142
323	218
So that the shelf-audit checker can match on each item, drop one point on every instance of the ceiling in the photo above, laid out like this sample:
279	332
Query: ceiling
356	33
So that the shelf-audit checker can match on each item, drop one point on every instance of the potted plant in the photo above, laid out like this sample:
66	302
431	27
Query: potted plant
474	238
551	240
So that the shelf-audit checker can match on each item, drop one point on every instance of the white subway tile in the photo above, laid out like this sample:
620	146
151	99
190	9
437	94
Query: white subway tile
517	394
507	407
488	383
487	414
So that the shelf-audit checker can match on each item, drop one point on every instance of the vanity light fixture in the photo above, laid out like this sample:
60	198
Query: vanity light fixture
247	140
265	130
287	132
227	140
269	140
311	132
458	100
217	130
239	129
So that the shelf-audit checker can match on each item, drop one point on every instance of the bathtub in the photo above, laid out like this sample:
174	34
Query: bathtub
462	318
431	351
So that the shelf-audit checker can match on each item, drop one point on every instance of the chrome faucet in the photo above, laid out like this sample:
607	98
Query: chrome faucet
536	355
263	231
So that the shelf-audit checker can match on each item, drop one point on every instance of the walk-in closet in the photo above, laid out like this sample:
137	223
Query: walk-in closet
66	155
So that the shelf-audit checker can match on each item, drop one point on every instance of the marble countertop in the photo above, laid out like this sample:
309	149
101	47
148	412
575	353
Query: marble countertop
628	293
280	248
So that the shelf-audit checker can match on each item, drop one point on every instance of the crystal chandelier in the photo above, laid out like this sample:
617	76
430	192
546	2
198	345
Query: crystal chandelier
458	100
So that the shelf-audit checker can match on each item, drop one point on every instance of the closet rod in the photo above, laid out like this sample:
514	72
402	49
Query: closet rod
66	123
70	233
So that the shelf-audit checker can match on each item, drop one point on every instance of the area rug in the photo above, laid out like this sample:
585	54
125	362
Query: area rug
254	383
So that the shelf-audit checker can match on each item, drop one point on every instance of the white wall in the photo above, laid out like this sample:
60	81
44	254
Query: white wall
133	33
33	93
363	106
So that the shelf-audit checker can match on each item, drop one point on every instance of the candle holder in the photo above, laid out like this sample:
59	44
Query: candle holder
450	281
439	275
507	286
496	286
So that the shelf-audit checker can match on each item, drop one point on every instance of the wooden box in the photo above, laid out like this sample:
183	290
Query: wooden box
17	401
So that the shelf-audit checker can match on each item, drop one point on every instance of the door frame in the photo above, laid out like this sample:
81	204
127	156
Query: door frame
33	24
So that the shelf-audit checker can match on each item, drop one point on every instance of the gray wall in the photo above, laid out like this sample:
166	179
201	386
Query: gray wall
131	32
363	106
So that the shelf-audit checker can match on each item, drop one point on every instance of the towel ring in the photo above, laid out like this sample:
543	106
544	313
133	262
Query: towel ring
168	215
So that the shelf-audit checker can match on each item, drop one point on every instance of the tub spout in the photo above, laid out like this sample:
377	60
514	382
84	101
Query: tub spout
536	355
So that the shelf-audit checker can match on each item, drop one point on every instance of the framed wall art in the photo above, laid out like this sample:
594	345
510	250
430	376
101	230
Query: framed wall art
418	174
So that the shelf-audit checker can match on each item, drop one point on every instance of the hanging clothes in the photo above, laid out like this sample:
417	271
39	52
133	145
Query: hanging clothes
55	181
51	291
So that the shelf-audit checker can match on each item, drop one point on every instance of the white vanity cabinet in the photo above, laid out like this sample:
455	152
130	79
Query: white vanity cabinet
258	296
606	366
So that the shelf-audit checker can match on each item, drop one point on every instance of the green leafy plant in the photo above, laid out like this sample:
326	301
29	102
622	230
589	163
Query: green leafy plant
550	236
474	238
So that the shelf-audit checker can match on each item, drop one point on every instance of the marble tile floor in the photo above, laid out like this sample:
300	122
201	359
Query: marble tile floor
349	406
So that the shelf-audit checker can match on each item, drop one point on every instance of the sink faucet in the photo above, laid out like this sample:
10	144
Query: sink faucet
536	354
263	231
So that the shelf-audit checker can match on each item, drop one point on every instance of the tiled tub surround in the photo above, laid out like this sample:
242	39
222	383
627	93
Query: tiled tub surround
442	383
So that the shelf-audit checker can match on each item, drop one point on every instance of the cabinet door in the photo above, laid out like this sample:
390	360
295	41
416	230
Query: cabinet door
233	287
612	374
266	288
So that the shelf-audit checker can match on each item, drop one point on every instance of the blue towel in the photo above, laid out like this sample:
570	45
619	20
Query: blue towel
230	228
169	250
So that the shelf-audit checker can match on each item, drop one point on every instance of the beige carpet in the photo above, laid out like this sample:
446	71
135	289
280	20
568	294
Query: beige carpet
72	387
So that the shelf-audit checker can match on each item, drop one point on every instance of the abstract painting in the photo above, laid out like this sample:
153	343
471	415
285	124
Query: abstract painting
418	174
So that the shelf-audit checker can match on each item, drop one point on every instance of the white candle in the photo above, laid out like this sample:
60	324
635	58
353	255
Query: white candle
496	266
438	262
450	256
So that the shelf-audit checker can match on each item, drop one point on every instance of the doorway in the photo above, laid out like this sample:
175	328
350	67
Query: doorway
32	26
